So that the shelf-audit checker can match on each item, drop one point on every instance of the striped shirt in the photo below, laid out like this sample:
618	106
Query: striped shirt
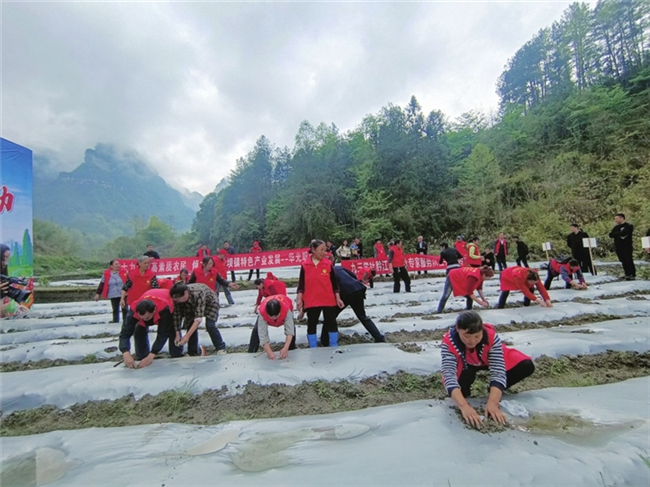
496	363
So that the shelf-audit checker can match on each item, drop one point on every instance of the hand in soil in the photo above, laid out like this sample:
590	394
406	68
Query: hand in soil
493	411
271	355
146	362
128	360
470	416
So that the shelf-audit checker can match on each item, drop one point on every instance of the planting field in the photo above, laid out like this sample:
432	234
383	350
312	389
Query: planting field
359	414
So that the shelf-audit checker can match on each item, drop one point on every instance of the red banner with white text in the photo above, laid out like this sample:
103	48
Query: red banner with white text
414	262
234	262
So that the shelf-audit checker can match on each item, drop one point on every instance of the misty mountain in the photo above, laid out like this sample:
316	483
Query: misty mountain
109	194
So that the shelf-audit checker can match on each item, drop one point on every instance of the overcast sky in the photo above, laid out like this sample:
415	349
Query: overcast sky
192	86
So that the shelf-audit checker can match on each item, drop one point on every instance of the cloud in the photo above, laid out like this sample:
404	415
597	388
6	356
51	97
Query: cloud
191	86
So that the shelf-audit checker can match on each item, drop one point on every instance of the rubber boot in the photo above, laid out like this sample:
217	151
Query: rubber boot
334	338
313	340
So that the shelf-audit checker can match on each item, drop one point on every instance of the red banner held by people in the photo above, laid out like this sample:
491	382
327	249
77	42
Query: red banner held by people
414	262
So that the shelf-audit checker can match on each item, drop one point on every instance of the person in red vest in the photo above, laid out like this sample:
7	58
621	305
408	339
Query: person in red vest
203	251
255	249
269	286
470	346
222	270
207	274
525	280
473	258
379	251
566	271
183	276
501	251
110	287
398	265
366	275
155	307
138	281
226	251
276	311
461	246
463	282
318	292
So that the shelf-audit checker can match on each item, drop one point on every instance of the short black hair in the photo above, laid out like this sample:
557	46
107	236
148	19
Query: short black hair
145	306
178	290
207	259
273	307
258	281
532	276
474	239
469	321
397	240
111	262
574	263
444	245
621	215
575	225
515	237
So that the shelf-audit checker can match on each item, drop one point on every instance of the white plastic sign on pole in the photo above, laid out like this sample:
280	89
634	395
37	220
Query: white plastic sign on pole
591	243
645	242
547	246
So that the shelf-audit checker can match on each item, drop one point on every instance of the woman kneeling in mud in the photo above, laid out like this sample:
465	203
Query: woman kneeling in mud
470	346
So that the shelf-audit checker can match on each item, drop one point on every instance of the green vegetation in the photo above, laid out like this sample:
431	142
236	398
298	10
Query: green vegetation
570	143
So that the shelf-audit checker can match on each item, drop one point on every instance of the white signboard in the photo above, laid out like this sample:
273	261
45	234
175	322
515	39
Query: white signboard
645	242
590	242
547	246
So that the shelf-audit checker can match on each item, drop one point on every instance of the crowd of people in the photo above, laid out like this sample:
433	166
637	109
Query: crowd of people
177	306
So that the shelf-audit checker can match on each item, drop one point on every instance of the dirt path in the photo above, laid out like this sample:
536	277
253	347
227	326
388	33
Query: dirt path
319	397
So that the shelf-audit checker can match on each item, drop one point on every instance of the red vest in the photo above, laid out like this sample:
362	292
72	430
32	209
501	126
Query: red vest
209	279
556	267
107	276
497	247
362	271
255	249
472	248
398	256
511	356
514	278
220	266
458	278
165	283
318	284
381	253
160	298
286	306
141	283
203	253
461	247
272	285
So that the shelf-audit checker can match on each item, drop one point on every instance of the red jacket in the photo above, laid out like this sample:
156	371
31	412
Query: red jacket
140	284
286	307
465	280
514	279
221	267
381	253
472	248
363	271
398	256
107	277
203	253
497	246
461	247
256	248
166	283
209	279
511	356
272	286
318	284
160	298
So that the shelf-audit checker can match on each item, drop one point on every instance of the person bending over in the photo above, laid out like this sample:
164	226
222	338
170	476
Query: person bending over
566	271
470	346
155	307
463	282
275	311
525	280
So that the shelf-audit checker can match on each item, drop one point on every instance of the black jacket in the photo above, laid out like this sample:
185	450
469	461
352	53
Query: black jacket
348	282
622	235
522	250
423	249
450	255
574	242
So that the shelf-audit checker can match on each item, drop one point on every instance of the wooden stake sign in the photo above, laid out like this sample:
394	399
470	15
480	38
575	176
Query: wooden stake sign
547	246
591	243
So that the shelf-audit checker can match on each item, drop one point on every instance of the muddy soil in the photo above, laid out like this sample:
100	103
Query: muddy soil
319	397
410	347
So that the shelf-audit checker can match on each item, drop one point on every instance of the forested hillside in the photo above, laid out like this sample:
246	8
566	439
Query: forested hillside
571	142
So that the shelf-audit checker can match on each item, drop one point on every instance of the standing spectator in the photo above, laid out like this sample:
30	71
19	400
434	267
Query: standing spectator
353	294
331	248
344	252
155	307
421	248
522	252
222	270
578	250
192	303
359	244
138	281
450	256
378	250
228	250
473	257
463	282
151	253
566	272
501	251
398	265
471	346
276	310
524	280
255	249
461	246
110	287
203	251
318	292
489	259
354	250
622	235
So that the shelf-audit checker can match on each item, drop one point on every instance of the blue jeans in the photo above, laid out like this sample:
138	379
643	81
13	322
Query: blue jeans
446	292
226	291
215	335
